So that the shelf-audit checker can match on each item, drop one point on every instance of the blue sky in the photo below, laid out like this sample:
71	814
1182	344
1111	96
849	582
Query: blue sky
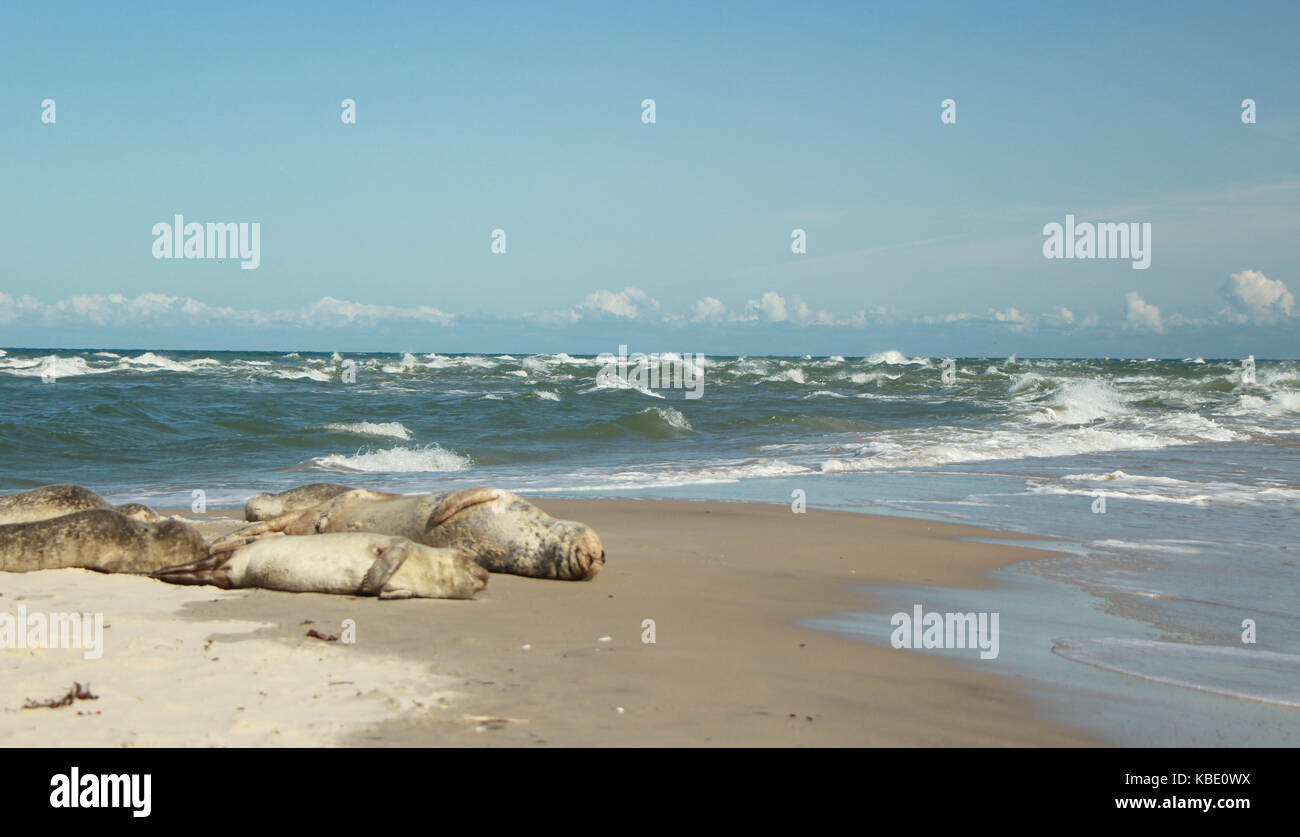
921	236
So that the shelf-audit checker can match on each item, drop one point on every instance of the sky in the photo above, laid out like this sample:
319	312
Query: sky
922	235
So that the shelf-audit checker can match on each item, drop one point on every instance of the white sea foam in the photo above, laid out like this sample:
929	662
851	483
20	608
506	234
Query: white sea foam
615	382
385	430
1083	401
671	415
161	362
62	367
299	374
433	458
893	357
723	472
872	377
1246	674
1154	489
794	375
1275	405
943	446
407	364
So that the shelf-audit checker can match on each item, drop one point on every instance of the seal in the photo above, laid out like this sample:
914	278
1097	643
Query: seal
502	531
57	500
351	563
267	506
98	539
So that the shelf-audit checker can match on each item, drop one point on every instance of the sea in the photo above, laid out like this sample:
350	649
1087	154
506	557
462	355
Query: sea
1167	490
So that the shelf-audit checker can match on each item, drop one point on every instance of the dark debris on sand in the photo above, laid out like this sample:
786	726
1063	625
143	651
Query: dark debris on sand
77	692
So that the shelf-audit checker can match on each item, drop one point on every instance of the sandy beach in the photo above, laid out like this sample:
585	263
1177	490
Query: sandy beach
540	663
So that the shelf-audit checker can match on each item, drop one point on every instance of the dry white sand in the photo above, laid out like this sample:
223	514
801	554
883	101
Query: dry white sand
169	678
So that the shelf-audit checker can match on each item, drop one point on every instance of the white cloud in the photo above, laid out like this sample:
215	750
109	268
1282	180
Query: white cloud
629	303
1015	319
1142	314
935	319
710	310
329	312
803	315
877	314
12	308
145	309
1253	296
770	307
155	309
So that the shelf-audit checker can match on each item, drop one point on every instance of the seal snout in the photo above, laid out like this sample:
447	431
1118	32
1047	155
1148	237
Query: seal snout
261	507
142	513
587	555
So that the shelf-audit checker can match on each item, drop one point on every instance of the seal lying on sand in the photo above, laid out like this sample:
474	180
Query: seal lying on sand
355	563
57	500
502	531
98	539
267	506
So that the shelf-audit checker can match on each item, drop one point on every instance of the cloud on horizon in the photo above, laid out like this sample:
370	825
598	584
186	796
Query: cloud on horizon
1254	301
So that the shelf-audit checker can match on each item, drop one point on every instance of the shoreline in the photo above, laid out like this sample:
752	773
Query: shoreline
726	585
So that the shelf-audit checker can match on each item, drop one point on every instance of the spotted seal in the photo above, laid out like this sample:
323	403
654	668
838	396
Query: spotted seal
266	506
98	539
504	532
57	500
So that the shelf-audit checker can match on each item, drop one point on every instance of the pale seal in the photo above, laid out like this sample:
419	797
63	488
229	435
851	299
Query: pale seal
267	506
504	532
353	563
99	539
57	500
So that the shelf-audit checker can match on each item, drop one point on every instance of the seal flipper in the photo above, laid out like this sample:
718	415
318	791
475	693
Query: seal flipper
458	502
388	563
210	570
245	535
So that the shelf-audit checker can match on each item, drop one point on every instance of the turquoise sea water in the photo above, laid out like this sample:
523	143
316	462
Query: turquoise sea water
1198	466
